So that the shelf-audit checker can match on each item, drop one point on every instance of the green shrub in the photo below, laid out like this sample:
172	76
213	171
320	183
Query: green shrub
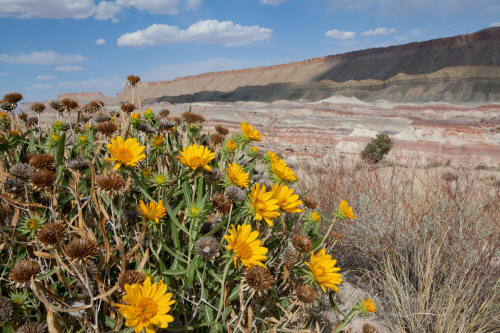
375	151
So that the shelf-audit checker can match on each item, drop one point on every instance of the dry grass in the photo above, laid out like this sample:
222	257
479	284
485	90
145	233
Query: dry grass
428	246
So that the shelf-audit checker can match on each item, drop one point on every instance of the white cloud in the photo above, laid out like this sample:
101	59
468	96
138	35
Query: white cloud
495	24
208	32
68	69
379	31
42	57
340	34
45	77
192	4
152	6
100	41
106	10
41	86
273	2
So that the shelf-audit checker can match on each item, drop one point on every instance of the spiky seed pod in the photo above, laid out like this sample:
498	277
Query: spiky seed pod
78	163
37	107
207	247
164	113
102	117
31	327
259	278
302	243
69	103
143	127
235	194
43	177
214	176
22	171
191	117
221	130
110	182
51	233
176	120
81	248
42	161
165	124
128	107
13	185
305	294
132	216
221	203
133	79
23	116
291	256
309	202
13	97
85	118
130	277
6	309
93	106
217	138
56	105
6	106
367	328
24	270
32	121
107	127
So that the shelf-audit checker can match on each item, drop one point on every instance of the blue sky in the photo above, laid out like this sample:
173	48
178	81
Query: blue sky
55	46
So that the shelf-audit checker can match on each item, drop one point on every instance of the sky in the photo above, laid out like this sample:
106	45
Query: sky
51	47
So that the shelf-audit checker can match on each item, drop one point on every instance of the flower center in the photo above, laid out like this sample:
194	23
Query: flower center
124	155
244	251
146	309
32	224
196	161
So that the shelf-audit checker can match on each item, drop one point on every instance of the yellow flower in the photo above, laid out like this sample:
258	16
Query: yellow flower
196	156
82	139
287	201
31	224
14	132
146	172
231	144
153	211
369	305
249	132
160	179
148	112
263	204
282	171
345	211
55	136
272	156
127	152
315	216
237	176
255	149
148	305
323	269
135	116
157	140
246	246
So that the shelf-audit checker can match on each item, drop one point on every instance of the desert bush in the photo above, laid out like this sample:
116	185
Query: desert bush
427	246
124	221
375	151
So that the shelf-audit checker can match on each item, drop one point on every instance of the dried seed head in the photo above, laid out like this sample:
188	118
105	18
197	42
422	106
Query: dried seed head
38	107
24	270
130	277
31	327
259	278
176	120
191	117
235	194
164	113
23	116
132	216
51	233
165	124
13	97
102	117
6	309
69	103
217	138
93	106
32	121
221	130
291	256
81	248
214	176
43	177
56	105
221	203
367	328
309	202
133	79
107	127
110	182
78	163
42	161
13	185
128	107
336	235
301	243
22	171
143	127
207	247
305	294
